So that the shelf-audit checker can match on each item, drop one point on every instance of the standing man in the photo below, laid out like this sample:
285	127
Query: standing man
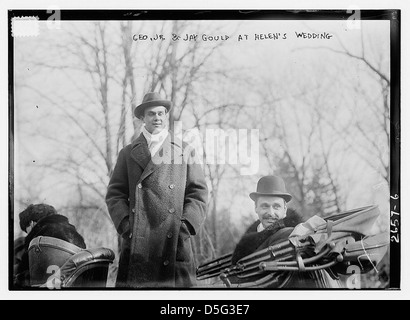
157	199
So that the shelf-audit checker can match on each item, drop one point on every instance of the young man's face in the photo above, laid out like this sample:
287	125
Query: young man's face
270	209
155	119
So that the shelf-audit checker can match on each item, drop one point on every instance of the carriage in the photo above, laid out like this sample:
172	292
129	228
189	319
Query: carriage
58	264
317	253
314	254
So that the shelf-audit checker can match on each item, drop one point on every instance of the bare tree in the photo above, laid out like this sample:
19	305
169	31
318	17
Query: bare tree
371	91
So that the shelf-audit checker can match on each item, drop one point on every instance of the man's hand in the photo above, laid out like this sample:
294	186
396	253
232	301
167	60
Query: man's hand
188	227
124	228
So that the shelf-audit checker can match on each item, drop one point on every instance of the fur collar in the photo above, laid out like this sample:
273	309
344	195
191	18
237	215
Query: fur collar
252	239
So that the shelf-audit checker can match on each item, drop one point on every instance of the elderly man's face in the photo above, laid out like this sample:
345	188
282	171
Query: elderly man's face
270	209
155	119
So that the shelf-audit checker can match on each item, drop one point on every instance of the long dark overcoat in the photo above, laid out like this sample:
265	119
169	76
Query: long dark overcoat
164	198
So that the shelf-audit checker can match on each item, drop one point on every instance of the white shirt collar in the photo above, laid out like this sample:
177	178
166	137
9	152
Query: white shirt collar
260	227
155	140
154	137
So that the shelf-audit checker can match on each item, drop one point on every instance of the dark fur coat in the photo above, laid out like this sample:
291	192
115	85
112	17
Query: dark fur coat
56	226
252	240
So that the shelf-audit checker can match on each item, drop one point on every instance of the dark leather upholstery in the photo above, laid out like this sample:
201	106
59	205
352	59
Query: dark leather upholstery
46	255
88	268
60	263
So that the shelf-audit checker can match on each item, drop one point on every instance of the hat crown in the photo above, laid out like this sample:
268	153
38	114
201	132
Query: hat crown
151	99
271	184
151	96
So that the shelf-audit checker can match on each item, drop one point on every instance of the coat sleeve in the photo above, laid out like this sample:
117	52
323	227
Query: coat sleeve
196	196
117	197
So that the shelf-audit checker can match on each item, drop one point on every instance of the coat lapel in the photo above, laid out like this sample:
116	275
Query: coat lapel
140	152
165	155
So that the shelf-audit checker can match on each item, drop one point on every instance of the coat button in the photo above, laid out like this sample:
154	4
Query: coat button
133	210
139	185
166	262
172	210
172	186
169	235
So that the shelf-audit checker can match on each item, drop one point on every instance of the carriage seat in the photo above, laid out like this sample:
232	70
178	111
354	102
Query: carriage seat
88	268
58	262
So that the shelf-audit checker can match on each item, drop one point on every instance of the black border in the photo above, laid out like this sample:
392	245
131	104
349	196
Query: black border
393	15
247	14
395	92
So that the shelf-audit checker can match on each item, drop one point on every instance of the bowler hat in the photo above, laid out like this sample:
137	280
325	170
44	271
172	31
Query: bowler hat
271	186
151	99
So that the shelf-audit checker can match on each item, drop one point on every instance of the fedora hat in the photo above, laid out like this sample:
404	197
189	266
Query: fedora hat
151	99
271	186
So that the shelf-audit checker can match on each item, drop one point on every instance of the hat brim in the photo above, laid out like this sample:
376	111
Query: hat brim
255	195
139	110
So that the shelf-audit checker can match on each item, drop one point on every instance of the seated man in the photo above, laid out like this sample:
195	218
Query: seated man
271	200
276	222
42	220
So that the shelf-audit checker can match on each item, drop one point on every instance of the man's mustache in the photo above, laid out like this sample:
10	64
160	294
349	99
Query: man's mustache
269	216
